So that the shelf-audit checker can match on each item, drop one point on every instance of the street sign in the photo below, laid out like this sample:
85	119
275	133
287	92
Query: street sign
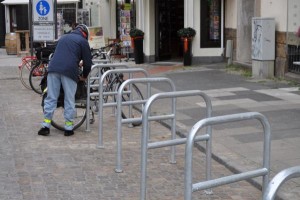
43	33
43	11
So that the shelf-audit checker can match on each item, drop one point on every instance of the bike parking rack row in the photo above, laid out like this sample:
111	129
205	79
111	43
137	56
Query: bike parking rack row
264	171
145	132
278	180
98	68
131	103
268	189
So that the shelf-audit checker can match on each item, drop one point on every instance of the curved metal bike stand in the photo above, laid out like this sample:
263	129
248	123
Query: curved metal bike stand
97	67
101	103
189	187
121	121
280	179
145	132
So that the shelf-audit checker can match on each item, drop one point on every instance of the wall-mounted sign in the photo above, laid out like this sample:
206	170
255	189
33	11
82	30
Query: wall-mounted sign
42	11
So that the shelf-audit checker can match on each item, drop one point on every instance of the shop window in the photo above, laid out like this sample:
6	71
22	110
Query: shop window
210	24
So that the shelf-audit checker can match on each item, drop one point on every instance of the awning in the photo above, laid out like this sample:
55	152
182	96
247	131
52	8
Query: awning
18	2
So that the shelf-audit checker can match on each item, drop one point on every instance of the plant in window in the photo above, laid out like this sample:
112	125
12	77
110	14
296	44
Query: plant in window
186	32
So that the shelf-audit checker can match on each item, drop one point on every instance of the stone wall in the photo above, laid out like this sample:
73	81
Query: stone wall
280	54
230	34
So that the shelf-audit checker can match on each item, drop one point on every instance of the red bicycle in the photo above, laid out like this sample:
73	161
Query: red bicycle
24	69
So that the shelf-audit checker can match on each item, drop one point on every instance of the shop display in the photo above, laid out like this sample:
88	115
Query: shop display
125	24
214	29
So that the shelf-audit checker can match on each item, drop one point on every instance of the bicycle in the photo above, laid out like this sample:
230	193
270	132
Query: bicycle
39	70
111	55
80	106
132	93
24	69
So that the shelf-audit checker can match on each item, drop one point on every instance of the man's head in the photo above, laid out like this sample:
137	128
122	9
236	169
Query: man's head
84	30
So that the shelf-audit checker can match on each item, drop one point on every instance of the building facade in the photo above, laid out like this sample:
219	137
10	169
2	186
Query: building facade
215	21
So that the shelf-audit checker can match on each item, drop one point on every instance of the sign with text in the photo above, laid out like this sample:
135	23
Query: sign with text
43	33
43	11
96	39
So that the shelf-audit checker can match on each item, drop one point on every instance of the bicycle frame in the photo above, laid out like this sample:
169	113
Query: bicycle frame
25	60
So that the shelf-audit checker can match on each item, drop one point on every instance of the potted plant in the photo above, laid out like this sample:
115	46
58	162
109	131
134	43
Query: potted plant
187	35
137	37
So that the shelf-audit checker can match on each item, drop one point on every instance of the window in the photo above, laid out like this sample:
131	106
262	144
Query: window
68	12
210	24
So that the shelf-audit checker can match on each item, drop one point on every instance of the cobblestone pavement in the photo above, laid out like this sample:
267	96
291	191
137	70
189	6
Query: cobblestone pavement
69	168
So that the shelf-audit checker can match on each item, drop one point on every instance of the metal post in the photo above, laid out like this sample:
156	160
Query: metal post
55	18
30	27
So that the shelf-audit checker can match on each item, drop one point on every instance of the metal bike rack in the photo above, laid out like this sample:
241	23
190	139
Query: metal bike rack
264	171
97	67
145	132
103	61
101	104
278	180
121	121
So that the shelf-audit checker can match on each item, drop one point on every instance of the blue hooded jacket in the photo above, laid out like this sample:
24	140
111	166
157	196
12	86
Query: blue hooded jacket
70	50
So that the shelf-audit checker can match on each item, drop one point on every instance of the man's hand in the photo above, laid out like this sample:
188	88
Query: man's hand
81	63
81	78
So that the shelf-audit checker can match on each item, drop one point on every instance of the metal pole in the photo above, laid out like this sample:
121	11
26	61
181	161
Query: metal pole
55	19
30	26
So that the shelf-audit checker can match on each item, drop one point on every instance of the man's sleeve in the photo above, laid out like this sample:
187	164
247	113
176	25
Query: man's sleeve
87	60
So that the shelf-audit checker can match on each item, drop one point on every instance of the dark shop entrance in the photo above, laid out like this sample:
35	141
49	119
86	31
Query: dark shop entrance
169	18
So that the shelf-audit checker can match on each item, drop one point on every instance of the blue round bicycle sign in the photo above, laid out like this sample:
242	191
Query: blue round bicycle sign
42	8
42	11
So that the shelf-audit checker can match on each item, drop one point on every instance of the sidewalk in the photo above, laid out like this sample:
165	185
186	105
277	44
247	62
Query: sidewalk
57	167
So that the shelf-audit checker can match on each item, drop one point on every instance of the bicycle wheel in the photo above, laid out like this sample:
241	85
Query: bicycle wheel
135	95
24	70
36	75
58	120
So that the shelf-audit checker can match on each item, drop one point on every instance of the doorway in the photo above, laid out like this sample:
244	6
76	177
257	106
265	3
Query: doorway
169	18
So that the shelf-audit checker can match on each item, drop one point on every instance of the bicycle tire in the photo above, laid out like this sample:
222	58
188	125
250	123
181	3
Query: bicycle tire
136	109
58	120
24	71
36	75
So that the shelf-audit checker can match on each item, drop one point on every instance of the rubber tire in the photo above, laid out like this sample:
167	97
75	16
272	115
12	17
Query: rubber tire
60	126
36	75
